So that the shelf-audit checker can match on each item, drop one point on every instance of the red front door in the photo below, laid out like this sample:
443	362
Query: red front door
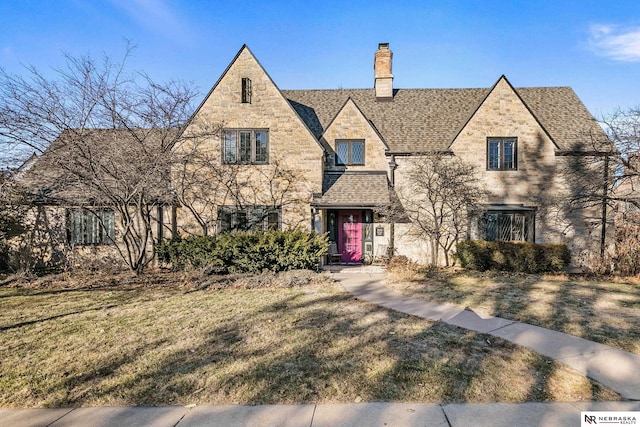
350	236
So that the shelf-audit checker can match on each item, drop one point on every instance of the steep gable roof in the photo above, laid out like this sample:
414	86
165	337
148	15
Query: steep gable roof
350	103
427	120
119	160
245	50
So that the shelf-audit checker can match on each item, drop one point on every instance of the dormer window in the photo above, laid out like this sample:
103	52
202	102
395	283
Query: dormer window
246	90
349	152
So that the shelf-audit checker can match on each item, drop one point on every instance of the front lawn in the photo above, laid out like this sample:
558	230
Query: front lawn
167	340
605	311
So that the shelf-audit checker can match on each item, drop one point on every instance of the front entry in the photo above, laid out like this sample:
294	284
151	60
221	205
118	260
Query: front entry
350	236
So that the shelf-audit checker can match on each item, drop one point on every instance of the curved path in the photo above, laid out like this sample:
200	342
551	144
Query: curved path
616	369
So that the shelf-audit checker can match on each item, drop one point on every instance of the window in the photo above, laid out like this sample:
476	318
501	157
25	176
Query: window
245	146
90	227
256	218
246	90
502	153
508	225
350	152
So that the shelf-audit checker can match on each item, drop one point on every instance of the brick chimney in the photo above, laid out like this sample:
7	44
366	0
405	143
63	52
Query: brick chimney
382	73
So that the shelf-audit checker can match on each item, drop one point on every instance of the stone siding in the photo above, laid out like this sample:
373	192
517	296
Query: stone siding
350	123
290	142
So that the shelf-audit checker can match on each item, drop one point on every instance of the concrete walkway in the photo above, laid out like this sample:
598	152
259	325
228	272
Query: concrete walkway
616	369
337	415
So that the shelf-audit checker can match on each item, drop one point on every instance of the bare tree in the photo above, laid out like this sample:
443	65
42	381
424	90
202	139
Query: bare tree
441	195
623	128
602	171
106	138
203	185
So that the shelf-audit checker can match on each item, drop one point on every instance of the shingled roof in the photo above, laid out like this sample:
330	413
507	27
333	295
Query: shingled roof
354	189
80	161
427	120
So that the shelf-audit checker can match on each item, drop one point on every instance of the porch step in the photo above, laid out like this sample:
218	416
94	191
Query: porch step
354	268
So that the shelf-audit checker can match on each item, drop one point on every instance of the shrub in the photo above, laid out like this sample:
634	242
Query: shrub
523	257
245	252
626	256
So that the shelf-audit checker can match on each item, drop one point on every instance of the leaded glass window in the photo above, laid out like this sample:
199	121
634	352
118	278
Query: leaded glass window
350	152
508	225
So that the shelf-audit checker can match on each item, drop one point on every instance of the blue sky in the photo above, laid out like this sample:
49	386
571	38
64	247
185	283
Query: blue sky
592	46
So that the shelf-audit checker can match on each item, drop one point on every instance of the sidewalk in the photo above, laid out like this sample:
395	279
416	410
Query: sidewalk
614	368
336	415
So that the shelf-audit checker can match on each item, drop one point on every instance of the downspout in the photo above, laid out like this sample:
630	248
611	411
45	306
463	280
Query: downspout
392	226
605	194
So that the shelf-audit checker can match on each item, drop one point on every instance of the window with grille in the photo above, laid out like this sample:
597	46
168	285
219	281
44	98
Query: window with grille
508	225
90	227
255	218
350	152
502	153
245	146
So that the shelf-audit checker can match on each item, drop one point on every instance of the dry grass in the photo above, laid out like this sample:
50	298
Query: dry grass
173	339
604	311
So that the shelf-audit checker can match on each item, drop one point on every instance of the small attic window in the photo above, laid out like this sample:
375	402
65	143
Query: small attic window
246	90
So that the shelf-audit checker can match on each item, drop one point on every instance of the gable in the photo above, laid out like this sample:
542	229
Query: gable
417	121
502	113
350	124
223	106
429	120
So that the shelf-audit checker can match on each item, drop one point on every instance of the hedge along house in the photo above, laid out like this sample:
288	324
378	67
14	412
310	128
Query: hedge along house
350	150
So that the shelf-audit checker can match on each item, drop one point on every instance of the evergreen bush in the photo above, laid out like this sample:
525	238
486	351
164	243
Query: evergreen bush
522	257
245	252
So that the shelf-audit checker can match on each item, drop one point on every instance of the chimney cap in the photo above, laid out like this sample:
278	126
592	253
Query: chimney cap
383	45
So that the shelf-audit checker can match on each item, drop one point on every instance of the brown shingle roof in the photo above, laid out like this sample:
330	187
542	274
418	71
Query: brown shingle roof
425	120
354	189
80	161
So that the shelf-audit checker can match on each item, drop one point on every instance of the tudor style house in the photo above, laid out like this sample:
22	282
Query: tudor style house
350	149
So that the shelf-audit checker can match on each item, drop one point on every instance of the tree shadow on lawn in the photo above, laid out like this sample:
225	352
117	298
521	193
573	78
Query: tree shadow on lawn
599	311
330	348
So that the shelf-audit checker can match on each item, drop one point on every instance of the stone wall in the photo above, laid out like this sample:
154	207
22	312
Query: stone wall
540	180
290	142
351	124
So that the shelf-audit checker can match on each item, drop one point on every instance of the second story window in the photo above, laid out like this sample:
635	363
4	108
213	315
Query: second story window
245	146
502	153
350	152
246	90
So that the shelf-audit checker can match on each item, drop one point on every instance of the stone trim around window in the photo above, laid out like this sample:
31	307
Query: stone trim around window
245	146
502	153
